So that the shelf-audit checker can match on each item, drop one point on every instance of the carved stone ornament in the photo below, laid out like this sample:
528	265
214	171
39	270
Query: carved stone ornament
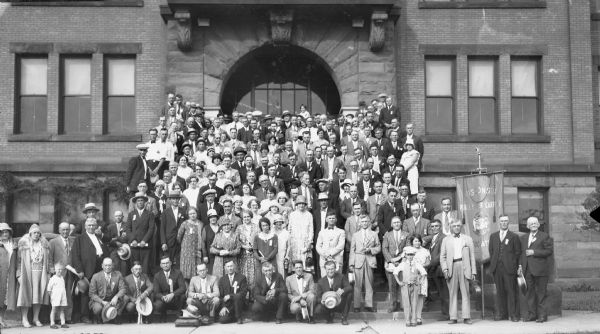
183	24
281	25
377	36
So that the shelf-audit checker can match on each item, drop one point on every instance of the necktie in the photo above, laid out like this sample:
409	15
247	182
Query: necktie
137	287
502	235
107	276
67	248
445	222
531	237
268	282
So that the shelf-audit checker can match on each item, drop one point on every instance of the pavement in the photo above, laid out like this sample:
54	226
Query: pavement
570	322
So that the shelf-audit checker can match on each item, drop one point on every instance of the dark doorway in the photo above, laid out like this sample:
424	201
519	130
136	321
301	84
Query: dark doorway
276	78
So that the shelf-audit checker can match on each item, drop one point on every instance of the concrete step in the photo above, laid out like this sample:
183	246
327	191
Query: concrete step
426	316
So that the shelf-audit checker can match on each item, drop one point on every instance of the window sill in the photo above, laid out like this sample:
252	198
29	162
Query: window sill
81	3
74	138
486	139
477	4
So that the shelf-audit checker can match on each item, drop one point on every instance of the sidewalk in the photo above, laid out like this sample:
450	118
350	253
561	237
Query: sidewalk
570	322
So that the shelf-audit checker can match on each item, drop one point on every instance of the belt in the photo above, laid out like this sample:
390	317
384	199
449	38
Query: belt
457	260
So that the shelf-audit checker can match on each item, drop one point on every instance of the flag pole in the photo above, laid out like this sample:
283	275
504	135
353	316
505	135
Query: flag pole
481	170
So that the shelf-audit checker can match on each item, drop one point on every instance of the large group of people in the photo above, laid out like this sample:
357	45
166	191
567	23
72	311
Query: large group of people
299	213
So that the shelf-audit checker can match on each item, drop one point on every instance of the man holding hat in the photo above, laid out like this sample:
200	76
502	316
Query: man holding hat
140	230
170	221
90	210
118	236
333	281
137	170
138	288
107	289
270	294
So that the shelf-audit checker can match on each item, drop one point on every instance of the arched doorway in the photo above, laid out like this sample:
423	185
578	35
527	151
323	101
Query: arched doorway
276	78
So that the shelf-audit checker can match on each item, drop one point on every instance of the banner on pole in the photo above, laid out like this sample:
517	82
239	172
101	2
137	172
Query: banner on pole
480	200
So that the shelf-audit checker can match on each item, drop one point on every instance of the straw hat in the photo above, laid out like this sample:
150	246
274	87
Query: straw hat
109	312
124	252
144	306
330	299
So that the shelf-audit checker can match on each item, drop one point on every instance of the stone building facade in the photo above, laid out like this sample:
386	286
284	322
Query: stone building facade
541	128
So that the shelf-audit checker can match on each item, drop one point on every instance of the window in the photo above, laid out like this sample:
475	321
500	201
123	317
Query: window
532	203
439	101
119	115
76	109
482	96
525	96
32	99
25	211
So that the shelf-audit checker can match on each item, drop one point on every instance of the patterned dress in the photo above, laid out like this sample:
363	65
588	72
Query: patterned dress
301	234
223	241
246	233
191	247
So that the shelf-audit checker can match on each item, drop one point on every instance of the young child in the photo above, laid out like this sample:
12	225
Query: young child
58	296
410	283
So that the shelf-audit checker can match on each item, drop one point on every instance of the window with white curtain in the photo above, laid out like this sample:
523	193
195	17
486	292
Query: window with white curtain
32	93
120	95
439	96
75	116
525	96
482	96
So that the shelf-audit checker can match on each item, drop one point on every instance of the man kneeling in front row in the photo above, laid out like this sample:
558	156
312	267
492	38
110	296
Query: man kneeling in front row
233	288
338	284
270	294
203	293
301	293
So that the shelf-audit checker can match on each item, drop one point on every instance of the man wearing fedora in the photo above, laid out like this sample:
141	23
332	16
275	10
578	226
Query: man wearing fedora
86	258
118	237
335	282
138	287
140	230
137	169
107	289
170	221
210	203
90	210
203	292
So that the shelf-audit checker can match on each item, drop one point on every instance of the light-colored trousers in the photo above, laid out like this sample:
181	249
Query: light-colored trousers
457	281
363	277
410	296
295	308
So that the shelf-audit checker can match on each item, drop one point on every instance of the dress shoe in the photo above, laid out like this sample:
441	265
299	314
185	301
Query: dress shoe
64	326
278	321
540	320
369	309
356	310
452	322
54	326
312	321
86	320
468	321
344	321
514	319
69	322
530	319
330	320
419	322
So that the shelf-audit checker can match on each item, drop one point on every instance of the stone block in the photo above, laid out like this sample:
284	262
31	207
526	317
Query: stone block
521	181
215	67
212	84
174	67
349	98
211	99
574	181
346	68
371	67
349	84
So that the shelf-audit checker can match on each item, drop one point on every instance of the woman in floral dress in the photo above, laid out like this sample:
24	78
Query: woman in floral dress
226	247
189	236
247	232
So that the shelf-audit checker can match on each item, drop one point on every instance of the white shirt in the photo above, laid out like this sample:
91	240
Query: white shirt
458	246
330	166
531	238
160	150
409	139
145	167
175	211
96	243
300	282
446	223
502	235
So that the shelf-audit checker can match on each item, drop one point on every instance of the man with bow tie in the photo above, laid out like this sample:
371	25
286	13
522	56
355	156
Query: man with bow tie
457	259
391	247
301	292
330	242
505	250
363	249
138	286
534	265
107	287
233	287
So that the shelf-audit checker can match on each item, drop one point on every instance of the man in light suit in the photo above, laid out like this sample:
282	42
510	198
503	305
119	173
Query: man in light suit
107	287
137	287
331	164
203	292
416	225
60	253
391	247
355	143
434	271
330	243
375	201
505	250
365	245
447	215
301	292
351	227
457	259
304	145
536	249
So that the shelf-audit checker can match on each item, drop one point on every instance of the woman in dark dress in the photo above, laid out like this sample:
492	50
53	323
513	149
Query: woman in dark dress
265	245
208	235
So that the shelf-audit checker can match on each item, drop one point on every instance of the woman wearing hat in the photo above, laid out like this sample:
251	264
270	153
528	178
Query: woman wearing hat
285	207
227	187
410	160
32	274
189	236
8	278
254	207
283	239
265	244
247	232
209	231
265	204
226	247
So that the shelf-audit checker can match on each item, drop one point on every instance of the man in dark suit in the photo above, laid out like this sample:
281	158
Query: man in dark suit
427	210
263	166
305	189
292	171
208	204
347	204
118	236
434	271
396	147
244	134
505	250
137	287
383	144
247	168
536	249
416	140
388	113
86	258
399	177
137	170
170	221
270	294
311	167
212	184
233	287
405	200
388	210
366	185
140	230
169	289
239	153
168	105
333	281
107	287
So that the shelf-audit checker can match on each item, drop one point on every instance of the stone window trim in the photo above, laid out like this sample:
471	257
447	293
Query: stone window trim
487	139
75	48
79	3
50	137
479	4
483	49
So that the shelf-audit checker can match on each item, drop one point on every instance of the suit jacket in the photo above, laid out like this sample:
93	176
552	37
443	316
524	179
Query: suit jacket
468	255
101	290
388	113
361	144
161	285
261	170
278	184
116	235
58	252
317	217
313	196
332	245
390	247
260	286
243	174
220	192
346	207
539	263
293	290
361	188
373	206
227	289
244	135
421	228
135	173
352	226
337	163
385	214
145	286
301	151
397	152
428	211
203	210
313	169
406	213
358	258
212	286
511	251
452	215
140	228
83	255
169	226
339	282
434	269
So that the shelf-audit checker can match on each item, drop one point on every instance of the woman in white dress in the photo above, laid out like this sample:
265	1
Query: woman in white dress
193	190
301	231
183	170
283	239
409	160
